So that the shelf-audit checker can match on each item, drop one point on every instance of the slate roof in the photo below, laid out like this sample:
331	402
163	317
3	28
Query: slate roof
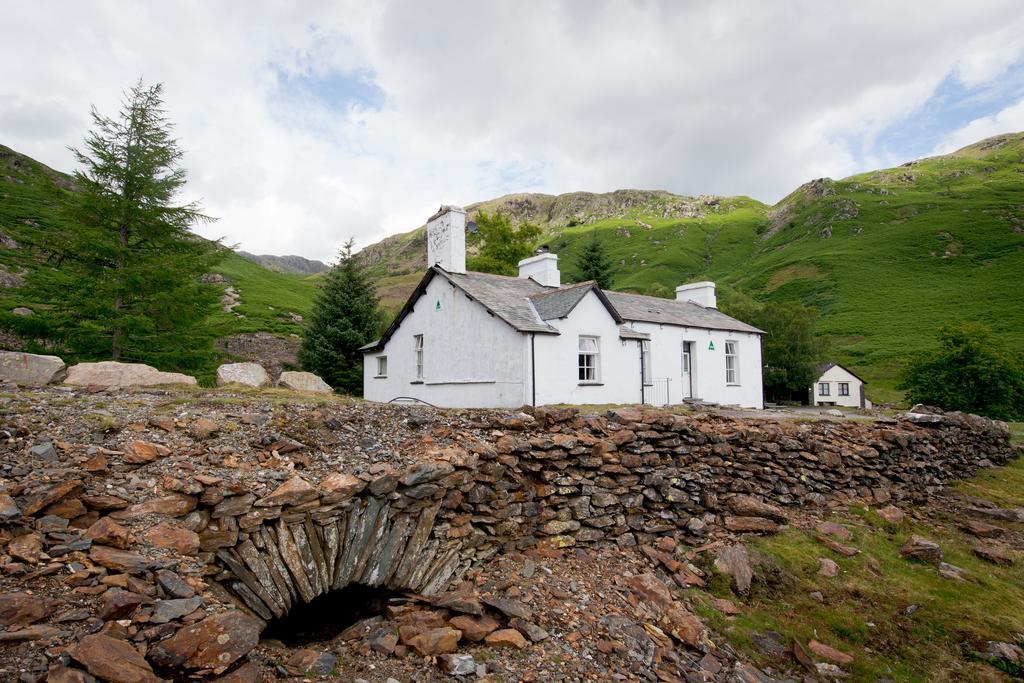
652	309
506	297
558	303
822	368
526	305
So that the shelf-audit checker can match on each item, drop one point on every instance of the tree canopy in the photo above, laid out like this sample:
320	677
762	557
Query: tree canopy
345	317
593	263
790	349
123	279
504	246
968	372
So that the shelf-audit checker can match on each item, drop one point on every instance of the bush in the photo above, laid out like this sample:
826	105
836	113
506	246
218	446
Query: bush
970	372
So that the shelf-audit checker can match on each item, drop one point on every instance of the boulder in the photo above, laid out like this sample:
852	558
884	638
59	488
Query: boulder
246	374
435	641
29	368
113	374
304	381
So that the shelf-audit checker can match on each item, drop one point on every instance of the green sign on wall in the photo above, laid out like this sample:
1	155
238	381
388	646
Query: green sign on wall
711	346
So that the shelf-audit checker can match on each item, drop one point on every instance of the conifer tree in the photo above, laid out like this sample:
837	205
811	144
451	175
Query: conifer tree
345	317
594	264
124	281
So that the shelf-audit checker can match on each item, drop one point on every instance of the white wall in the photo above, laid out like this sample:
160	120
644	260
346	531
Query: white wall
557	362
707	366
471	359
833	376
557	359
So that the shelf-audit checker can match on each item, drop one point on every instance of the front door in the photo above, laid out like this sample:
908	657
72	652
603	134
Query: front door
687	383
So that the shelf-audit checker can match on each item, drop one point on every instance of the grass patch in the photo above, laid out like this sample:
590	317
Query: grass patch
898	618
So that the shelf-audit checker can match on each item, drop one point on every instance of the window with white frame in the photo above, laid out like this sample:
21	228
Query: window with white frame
589	360
419	355
844	388
732	363
686	358
823	389
645	352
382	366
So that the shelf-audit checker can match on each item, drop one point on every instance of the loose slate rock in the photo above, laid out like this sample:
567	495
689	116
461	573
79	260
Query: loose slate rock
215	643
112	660
734	561
919	548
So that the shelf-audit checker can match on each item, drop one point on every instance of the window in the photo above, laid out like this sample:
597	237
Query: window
844	388
823	389
589	360
419	356
732	363
382	366
645	356
686	358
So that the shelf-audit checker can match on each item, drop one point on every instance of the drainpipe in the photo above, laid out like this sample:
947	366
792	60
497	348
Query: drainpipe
640	346
533	371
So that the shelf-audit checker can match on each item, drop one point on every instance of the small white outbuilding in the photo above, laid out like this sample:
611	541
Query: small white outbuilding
838	386
467	339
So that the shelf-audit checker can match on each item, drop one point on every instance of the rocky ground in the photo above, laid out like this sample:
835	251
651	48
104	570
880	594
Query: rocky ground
96	582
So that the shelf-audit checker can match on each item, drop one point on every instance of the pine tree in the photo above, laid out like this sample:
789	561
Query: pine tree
345	317
594	264
124	281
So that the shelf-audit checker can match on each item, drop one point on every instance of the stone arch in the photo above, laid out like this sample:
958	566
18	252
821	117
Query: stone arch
400	545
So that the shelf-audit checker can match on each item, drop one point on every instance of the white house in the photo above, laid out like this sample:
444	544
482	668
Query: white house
480	340
837	386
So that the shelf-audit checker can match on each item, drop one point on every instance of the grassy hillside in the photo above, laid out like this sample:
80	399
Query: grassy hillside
887	256
29	195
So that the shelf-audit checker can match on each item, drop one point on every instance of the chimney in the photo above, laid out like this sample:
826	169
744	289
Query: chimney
701	293
543	268
446	239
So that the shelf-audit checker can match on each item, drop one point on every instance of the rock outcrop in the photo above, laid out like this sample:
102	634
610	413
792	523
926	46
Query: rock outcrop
30	368
246	374
304	381
114	374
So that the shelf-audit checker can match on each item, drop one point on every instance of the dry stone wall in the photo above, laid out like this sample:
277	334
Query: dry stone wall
559	479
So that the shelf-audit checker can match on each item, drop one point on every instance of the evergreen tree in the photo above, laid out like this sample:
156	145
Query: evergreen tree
594	264
969	372
345	317
124	277
504	246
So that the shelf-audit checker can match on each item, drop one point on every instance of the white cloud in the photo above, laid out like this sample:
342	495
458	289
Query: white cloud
483	98
1010	119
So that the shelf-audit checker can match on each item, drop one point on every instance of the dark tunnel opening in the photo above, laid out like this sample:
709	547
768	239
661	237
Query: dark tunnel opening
330	614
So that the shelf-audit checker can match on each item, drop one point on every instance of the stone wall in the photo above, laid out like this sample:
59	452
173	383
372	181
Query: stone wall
560	479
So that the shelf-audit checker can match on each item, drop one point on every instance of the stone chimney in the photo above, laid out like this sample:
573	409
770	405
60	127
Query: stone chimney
543	268
701	293
446	239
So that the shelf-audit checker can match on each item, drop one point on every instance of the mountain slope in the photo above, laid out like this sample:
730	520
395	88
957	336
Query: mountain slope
287	264
887	256
260	300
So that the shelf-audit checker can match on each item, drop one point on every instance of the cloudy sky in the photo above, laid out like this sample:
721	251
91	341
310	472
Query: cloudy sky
306	123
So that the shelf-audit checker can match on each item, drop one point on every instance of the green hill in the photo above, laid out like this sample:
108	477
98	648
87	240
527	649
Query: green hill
267	301
887	256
